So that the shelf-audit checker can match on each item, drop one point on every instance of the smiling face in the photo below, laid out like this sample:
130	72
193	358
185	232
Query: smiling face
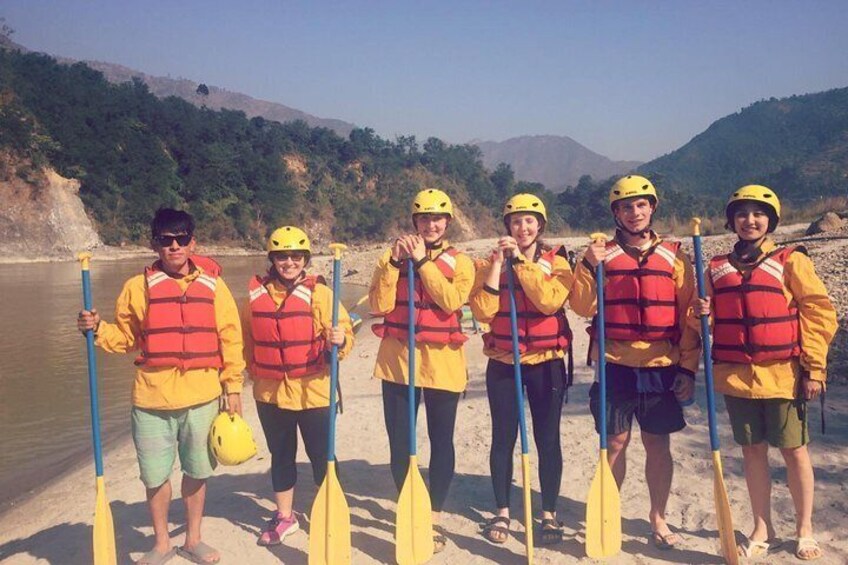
174	251
431	227
288	264
750	221
524	227
634	214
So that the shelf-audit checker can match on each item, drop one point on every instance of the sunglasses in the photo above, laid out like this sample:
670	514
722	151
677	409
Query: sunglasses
166	240
283	256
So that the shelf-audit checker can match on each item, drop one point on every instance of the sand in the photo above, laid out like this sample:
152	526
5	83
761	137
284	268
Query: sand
54	525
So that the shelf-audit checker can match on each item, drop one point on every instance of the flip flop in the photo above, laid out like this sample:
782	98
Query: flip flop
440	540
199	553
551	531
665	542
153	557
807	545
492	527
750	548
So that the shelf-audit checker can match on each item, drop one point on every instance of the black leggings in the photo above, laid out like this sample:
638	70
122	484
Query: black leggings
544	386
441	416
280	427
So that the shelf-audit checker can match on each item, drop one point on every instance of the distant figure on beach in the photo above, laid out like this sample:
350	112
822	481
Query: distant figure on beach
443	280
651	352
772	325
288	331
543	280
182	318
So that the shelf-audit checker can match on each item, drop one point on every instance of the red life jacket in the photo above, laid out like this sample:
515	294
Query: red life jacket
753	320
179	328
432	324
536	331
640	297
284	340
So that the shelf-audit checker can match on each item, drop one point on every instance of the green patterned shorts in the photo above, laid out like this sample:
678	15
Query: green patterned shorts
156	434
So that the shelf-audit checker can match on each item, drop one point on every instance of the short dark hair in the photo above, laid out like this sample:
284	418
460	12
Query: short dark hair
172	221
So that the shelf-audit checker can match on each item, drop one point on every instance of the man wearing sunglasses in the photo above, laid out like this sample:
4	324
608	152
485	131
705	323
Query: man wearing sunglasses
182	318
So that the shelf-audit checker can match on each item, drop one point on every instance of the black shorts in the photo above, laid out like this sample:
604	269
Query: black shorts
641	392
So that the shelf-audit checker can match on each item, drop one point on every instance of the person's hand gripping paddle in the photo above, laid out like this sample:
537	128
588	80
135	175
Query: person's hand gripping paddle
104	528
722	505
519	399
329	534
603	507
414	521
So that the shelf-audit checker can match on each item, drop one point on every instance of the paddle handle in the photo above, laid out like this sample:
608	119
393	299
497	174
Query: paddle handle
87	302
516	359
705	335
410	279
602	345
334	354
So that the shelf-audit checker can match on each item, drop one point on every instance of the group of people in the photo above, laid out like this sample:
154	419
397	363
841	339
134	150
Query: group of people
771	316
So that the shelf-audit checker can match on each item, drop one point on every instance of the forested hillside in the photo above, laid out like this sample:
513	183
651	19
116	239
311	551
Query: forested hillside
796	145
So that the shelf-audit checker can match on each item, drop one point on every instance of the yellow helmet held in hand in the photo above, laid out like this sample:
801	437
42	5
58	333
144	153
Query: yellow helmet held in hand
633	186
432	201
525	203
289	238
231	439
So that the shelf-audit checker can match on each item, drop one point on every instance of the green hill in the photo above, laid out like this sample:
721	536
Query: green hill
798	146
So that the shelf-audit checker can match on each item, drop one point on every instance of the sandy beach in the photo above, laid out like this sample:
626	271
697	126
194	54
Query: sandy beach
54	525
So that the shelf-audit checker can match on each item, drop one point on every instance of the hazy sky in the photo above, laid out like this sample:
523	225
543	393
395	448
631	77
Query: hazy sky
630	80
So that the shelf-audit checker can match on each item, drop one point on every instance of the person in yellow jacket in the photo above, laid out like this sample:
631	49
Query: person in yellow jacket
651	351
543	279
769	369
444	277
175	395
288	331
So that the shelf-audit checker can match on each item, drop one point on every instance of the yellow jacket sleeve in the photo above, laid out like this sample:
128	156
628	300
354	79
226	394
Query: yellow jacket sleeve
322	312
230	338
383	290
548	294
690	339
449	295
130	309
584	297
484	301
816	313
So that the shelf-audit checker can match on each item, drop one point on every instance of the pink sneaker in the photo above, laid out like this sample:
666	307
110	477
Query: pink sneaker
278	529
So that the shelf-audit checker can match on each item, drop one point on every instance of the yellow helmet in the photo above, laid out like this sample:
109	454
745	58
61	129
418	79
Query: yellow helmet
525	203
632	186
757	193
432	201
289	238
231	439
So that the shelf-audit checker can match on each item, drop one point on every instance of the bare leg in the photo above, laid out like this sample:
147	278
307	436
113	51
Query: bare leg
285	502
799	472
617	455
659	470
194	498
158	501
758	478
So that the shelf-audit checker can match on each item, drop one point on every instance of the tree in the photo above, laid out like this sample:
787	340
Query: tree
202	89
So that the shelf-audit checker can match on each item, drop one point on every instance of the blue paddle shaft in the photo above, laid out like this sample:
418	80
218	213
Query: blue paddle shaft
707	345
602	353
92	378
334	362
410	276
516	358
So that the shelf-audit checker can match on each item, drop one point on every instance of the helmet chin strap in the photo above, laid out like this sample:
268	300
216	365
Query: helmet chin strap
639	233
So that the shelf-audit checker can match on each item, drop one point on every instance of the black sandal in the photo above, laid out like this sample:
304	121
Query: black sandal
551	531
440	541
493	531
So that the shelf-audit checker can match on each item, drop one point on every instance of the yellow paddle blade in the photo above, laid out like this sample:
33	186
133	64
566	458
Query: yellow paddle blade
603	513
329	523
414	527
528	508
723	517
104	529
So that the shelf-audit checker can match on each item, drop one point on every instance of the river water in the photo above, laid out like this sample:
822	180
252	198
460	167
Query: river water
44	400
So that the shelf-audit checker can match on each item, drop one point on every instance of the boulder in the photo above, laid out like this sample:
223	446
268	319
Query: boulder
828	223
